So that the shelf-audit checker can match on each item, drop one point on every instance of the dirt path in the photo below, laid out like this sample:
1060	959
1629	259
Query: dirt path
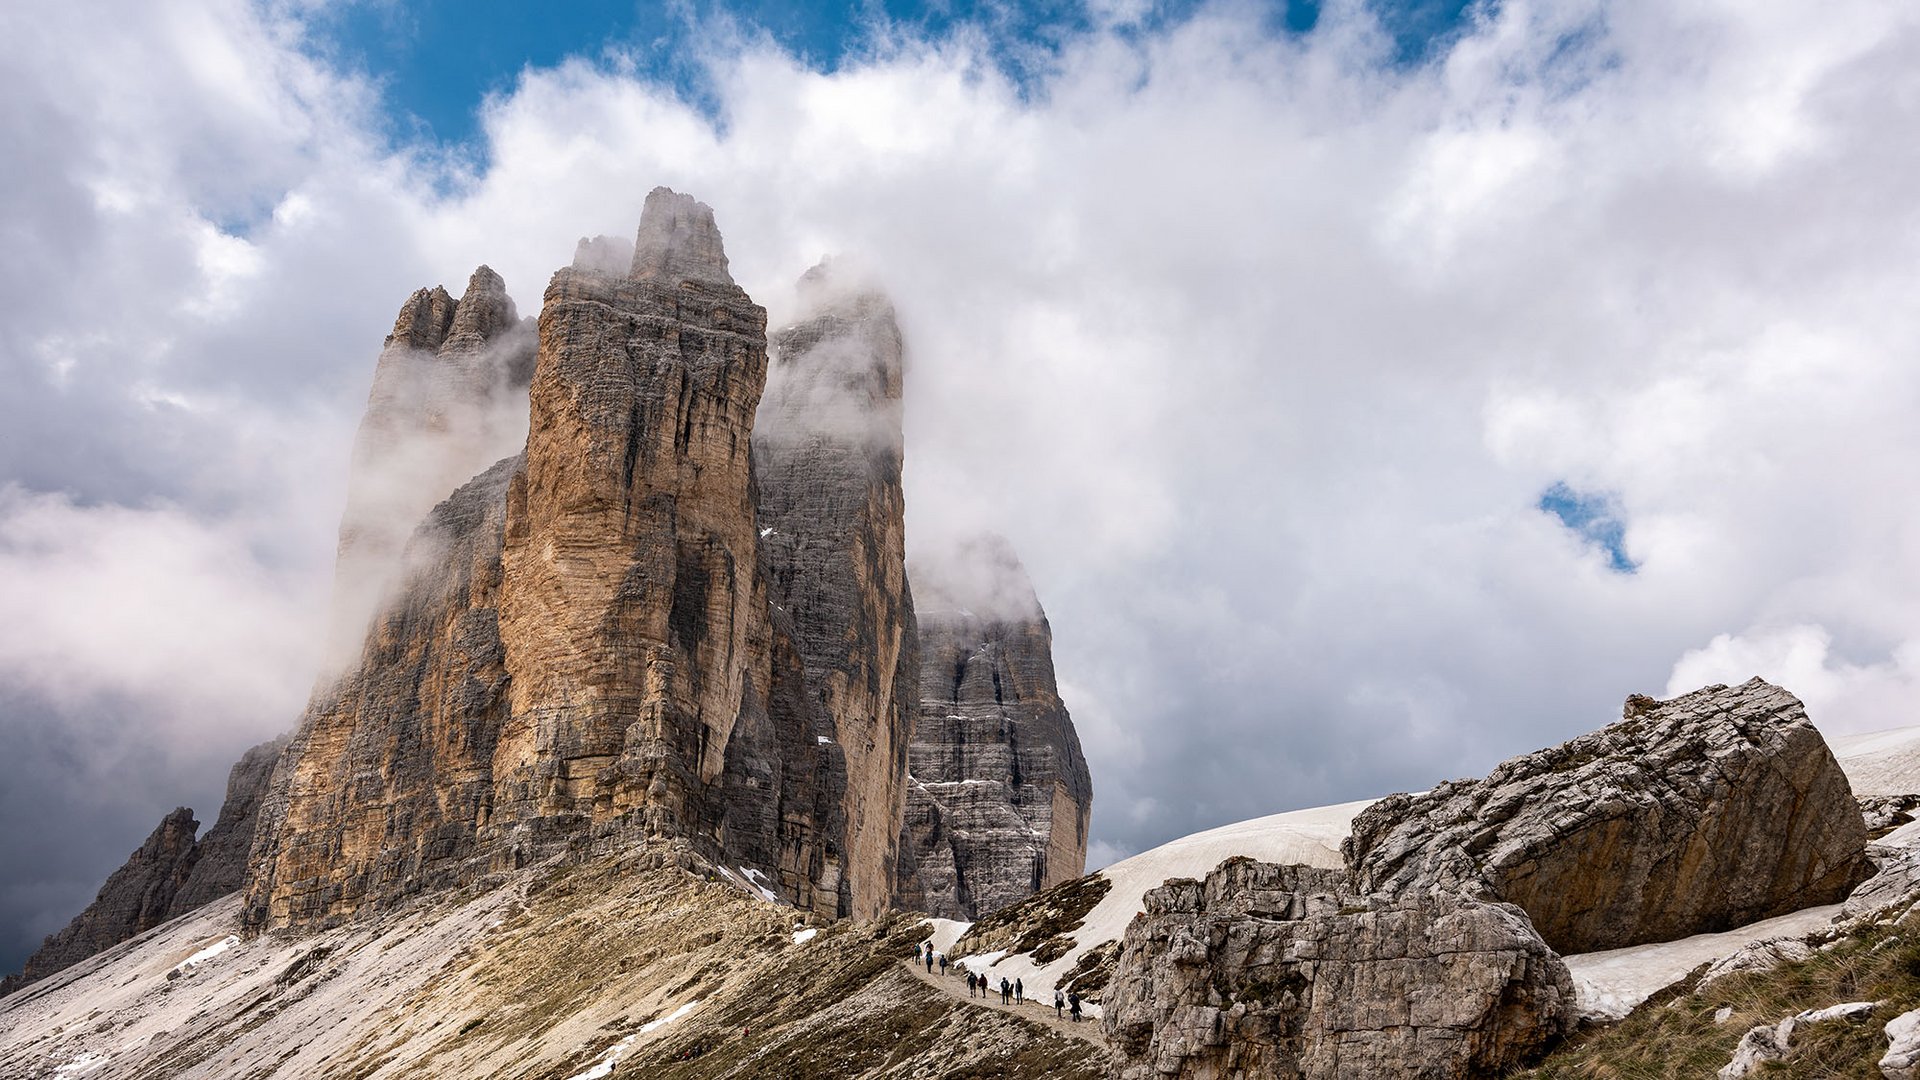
955	984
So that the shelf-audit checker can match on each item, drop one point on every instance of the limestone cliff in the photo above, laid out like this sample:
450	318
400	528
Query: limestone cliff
827	452
998	790
581	653
448	399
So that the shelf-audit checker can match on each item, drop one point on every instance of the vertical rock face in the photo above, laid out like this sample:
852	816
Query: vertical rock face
1272	971
827	451
998	793
387	781
220	859
138	897
448	398
582	651
1712	810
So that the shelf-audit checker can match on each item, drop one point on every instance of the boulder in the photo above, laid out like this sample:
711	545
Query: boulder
1902	1059
1272	971
1707	812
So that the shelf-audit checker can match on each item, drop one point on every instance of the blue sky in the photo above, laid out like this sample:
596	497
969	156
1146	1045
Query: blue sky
438	60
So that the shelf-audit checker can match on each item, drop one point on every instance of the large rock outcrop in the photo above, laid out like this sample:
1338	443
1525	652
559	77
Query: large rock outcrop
827	452
449	398
136	898
998	790
581	653
1274	971
1710	811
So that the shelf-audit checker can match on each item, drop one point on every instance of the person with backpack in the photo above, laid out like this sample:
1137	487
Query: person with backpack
1019	993
970	983
943	963
1073	1006
929	960
1059	1003
1006	991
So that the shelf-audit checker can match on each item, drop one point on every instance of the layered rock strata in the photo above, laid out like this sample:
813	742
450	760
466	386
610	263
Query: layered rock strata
998	790
1275	971
581	653
827	453
448	399
136	898
1710	811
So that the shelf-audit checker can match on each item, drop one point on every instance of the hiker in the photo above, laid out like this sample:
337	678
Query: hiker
1006	991
1059	1002
1019	993
943	963
916	953
929	961
1073	1006
970	982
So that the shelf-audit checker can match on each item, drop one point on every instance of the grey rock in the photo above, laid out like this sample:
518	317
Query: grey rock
1902	1059
1710	811
1895	885
136	898
1276	972
1774	1042
1755	957
827	461
999	794
610	255
1885	813
678	242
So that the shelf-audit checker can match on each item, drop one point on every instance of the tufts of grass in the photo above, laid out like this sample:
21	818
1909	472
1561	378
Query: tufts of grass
1674	1034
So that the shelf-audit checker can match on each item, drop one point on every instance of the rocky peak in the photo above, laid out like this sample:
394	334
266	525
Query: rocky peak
678	241
423	320
483	312
999	795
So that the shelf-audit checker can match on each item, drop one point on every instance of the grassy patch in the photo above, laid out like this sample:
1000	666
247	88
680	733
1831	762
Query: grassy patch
1674	1034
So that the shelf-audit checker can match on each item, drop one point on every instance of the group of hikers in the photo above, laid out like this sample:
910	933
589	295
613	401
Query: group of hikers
1012	992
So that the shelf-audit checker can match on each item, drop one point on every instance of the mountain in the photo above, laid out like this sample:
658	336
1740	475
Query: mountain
627	581
999	794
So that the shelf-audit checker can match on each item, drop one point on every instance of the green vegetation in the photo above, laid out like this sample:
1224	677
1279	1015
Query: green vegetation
1674	1034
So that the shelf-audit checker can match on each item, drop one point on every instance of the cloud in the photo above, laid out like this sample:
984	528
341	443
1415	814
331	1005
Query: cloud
1261	348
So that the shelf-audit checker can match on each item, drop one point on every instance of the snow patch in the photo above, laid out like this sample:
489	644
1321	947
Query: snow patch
946	932
207	953
801	937
1608	985
80	1066
604	1067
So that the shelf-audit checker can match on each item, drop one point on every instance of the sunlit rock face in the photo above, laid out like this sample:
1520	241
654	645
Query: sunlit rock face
832	521
998	795
580	652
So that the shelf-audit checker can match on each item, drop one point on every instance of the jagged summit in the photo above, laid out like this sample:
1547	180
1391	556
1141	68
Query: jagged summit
678	241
